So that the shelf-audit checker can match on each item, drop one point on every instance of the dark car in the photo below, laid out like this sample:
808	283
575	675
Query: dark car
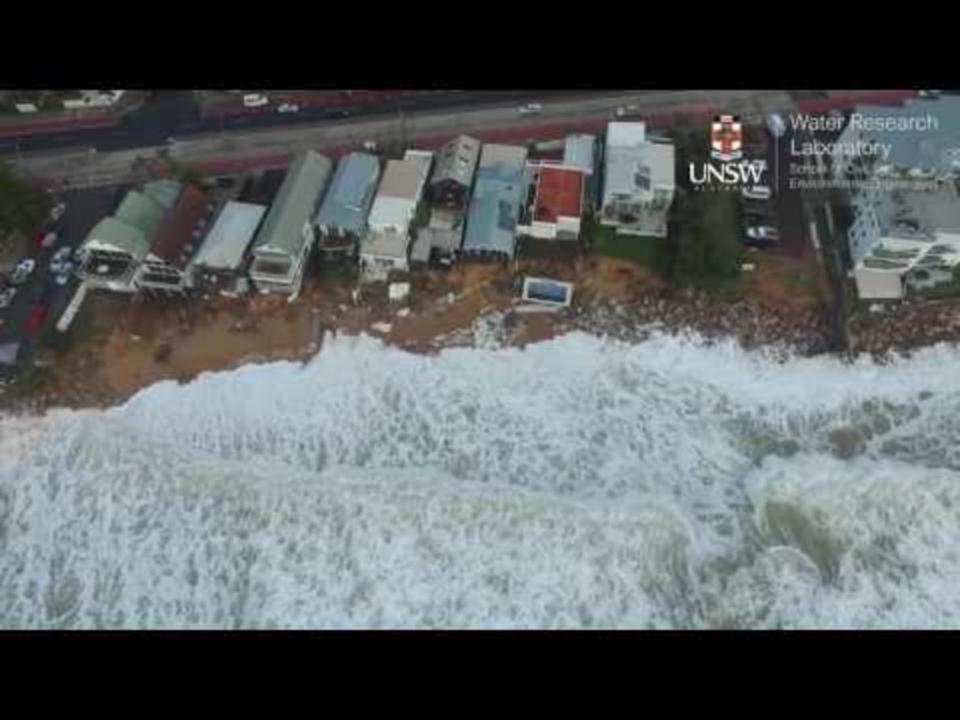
761	243
38	314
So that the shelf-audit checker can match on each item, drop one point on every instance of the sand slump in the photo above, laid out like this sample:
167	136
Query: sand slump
578	483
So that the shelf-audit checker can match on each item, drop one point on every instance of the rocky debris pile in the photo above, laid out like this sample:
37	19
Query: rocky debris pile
806	332
905	327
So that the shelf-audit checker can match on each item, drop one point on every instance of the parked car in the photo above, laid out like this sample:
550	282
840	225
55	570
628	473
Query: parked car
6	297
43	240
23	270
57	211
288	108
38	314
531	109
60	259
932	94
255	100
763	232
756	192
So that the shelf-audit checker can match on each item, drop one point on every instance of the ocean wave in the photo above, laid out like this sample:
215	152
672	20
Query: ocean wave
576	483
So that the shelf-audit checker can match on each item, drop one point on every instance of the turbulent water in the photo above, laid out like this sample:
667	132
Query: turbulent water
578	483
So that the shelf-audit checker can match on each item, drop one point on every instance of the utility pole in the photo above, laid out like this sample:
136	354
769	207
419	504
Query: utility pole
403	129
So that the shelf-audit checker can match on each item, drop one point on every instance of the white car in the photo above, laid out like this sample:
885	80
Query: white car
60	259
288	108
255	100
57	211
6	297
531	109
24	268
63	277
763	232
756	192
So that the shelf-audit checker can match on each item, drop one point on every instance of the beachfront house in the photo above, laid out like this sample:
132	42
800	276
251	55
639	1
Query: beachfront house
342	218
904	238
220	262
284	242
111	254
498	193
386	244
448	196
639	181
177	237
550	226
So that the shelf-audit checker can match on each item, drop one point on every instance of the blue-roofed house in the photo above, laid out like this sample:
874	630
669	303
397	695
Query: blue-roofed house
498	194
342	217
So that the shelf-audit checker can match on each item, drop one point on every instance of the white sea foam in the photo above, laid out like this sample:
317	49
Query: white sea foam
577	483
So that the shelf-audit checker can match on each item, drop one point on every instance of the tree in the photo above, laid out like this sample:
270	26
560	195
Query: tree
22	207
708	253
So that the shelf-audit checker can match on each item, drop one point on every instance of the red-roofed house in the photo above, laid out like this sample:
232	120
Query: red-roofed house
557	203
177	238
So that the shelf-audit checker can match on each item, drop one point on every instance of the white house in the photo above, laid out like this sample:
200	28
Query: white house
386	244
639	181
901	238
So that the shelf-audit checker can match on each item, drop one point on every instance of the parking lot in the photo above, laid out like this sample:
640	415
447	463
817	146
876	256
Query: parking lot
84	208
784	209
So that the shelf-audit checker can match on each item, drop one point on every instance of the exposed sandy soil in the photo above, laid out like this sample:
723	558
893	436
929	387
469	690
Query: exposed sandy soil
122	345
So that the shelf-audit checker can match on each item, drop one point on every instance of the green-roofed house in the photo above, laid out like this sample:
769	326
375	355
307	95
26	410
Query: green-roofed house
284	241
116	246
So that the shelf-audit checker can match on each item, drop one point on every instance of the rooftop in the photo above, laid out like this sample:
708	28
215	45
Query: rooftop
400	180
180	232
919	215
163	192
347	202
639	169
559	193
141	211
580	151
457	161
294	206
918	148
626	134
113	234
509	156
399	192
494	210
230	236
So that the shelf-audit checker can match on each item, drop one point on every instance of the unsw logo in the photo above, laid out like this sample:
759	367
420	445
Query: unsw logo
726	146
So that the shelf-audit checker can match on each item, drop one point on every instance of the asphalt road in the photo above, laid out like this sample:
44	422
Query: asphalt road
84	209
176	114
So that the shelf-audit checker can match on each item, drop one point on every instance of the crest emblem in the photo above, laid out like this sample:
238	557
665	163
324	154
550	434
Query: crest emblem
726	138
